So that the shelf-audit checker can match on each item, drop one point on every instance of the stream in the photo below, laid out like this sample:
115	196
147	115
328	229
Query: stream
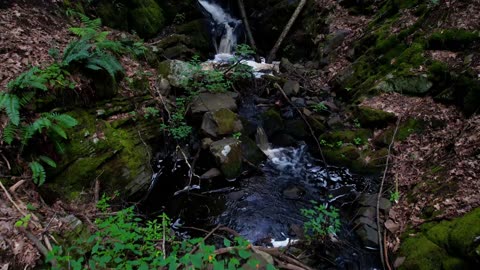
263	206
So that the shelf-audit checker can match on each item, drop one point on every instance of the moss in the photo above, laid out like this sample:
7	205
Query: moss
316	122
453	39
445	245
146	18
250	151
226	121
297	128
115	16
197	33
370	117
272	121
344	156
421	254
346	136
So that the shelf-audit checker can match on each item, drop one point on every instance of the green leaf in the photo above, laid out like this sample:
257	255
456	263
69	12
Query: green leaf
12	107
38	173
48	161
227	242
244	254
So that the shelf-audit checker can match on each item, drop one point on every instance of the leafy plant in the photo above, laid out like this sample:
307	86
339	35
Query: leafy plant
357	141
321	221
339	144
124	241
319	107
151	112
395	196
23	222
237	135
356	123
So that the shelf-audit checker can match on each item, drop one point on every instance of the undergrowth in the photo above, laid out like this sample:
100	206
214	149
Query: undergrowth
125	241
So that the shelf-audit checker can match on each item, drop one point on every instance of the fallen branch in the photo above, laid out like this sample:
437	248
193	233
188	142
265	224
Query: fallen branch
289	25
13	188
379	234
43	250
247	28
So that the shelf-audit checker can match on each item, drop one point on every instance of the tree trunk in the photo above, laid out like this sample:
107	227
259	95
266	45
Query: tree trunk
247	28
292	20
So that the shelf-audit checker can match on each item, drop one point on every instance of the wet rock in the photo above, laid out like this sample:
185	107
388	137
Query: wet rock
228	155
212	102
291	88
206	142
296	231
368	236
296	128
331	106
283	140
369	212
299	102
374	118
366	221
236	195
210	174
251	152
272	121
221	122
293	193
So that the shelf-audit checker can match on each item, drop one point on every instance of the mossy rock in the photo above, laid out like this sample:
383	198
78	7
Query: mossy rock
221	122
272	121
422	254
453	39
112	15
444	245
343	156
405	129
317	123
228	155
410	85
347	136
373	118
296	128
111	151
251	152
146	18
198	35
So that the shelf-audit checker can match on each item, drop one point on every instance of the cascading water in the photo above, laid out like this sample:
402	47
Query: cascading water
225	27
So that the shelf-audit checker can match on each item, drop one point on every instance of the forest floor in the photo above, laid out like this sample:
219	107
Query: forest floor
441	165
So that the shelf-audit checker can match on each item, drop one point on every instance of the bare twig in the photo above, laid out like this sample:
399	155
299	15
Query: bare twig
379	234
6	161
38	244
13	188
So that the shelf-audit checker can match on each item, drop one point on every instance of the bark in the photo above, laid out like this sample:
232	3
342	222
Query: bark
289	25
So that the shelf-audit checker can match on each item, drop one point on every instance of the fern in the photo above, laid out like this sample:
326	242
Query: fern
11	104
48	161
110	45
38	172
9	133
28	79
106	62
64	120
25	98
77	51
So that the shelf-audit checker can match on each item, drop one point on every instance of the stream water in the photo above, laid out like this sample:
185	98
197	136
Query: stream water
264	207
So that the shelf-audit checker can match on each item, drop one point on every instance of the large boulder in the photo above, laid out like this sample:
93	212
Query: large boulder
211	102
115	152
228	155
146	18
374	118
221	122
412	85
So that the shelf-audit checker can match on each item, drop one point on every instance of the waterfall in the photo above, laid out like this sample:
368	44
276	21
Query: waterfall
225	26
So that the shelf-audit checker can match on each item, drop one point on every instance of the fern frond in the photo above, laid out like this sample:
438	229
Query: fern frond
59	130
41	123
38	172
110	45
12	107
95	24
105	61
26	98
27	133
48	161
3	99
28	79
82	32
59	146
65	120
77	51
9	133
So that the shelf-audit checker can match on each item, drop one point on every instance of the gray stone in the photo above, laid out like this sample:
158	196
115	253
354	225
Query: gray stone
368	236
206	102
212	173
392	226
299	102
293	193
335	122
371	200
368	212
221	122
175	71
164	87
291	88
236	195
414	85
228	155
